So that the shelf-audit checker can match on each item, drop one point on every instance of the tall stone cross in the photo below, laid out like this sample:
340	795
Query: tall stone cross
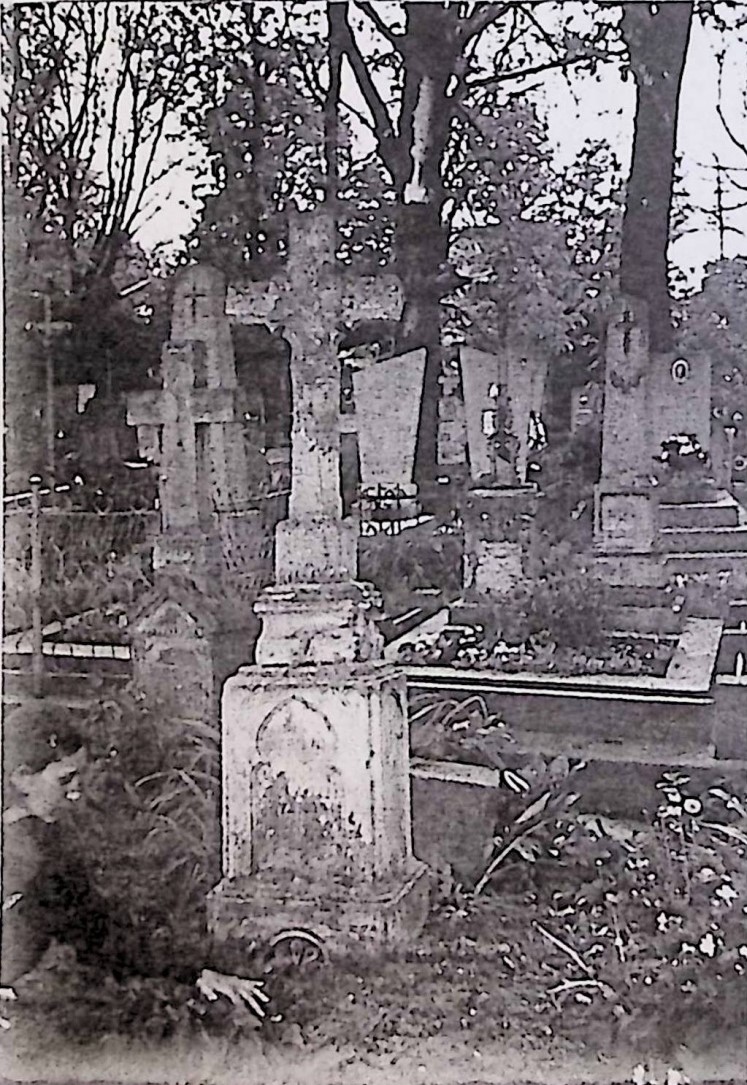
192	426
305	304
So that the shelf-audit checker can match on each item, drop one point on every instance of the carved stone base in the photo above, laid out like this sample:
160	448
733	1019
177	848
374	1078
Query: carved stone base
316	807
625	518
251	910
318	623
316	549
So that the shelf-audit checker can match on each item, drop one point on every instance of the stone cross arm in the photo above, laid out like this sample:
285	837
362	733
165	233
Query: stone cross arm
313	277
154	408
375	297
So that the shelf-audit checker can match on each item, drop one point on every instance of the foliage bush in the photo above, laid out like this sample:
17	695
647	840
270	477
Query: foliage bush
652	931
147	825
417	558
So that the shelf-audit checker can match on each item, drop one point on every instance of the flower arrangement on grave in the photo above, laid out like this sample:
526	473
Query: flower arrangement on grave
682	467
557	621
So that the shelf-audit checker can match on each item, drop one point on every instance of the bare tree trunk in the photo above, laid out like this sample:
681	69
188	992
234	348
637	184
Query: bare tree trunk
657	44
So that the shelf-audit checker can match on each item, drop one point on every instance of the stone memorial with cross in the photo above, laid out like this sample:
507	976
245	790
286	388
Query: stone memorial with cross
193	428
316	788
213	552
625	505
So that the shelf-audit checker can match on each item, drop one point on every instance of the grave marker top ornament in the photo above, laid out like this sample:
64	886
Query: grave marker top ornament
317	612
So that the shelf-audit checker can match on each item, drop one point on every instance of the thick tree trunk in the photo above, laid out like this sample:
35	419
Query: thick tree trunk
422	239
422	247
657	44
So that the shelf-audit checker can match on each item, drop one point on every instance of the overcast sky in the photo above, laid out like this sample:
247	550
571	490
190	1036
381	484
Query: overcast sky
589	109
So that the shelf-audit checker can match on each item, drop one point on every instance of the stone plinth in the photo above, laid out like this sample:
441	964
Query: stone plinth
497	538
625	518
305	624
317	831
186	643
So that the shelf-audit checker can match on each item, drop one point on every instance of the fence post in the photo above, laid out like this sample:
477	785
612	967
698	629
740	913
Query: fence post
37	657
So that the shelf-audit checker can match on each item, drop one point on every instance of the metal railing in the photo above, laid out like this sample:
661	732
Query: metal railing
73	573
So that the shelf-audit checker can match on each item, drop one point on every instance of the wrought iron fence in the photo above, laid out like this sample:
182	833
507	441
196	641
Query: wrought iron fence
73	572
382	510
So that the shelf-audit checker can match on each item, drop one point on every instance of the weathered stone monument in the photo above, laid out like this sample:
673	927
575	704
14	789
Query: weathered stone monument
387	401
502	395
625	502
213	552
315	750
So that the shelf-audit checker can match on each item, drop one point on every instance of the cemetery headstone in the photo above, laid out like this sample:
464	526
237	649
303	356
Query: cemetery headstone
387	410
315	750
213	552
625	505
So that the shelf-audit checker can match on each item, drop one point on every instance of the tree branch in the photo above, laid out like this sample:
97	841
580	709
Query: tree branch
565	62
397	40
481	20
382	124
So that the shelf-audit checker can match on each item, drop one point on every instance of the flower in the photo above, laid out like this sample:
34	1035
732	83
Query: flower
707	945
726	893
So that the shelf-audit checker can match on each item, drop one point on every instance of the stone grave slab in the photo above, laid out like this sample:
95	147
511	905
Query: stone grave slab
387	402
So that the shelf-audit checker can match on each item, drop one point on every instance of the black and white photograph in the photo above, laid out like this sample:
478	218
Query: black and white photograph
374	542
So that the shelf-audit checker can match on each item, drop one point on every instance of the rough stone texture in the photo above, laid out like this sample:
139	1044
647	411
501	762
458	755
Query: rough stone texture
680	397
213	553
387	405
303	626
186	644
316	816
497	538
648	398
316	792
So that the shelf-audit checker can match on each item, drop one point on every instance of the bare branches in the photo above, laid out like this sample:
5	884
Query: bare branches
482	19
382	123
399	41
741	145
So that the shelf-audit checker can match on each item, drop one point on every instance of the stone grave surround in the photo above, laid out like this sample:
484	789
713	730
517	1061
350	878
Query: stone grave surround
518	374
648	398
316	813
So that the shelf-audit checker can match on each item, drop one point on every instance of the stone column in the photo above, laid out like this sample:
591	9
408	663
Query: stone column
625	504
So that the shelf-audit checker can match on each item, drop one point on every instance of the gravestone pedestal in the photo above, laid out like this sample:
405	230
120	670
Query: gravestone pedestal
317	808
497	538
